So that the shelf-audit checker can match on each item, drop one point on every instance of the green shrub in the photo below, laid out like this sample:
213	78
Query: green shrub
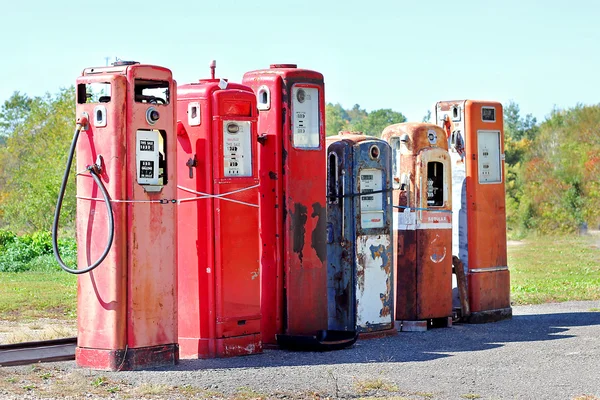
34	252
6	237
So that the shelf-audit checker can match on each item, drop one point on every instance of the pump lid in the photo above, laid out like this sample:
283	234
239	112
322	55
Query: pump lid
120	63
283	66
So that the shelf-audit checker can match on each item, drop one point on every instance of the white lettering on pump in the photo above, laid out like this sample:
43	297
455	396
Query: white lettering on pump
237	151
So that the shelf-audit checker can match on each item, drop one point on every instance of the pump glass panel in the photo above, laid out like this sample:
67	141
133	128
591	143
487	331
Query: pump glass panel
332	180
371	205
151	163
435	182
152	92
305	117
237	151
95	92
489	163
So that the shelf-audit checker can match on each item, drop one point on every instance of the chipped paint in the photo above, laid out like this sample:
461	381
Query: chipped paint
438	250
318	236
373	298
367	270
299	218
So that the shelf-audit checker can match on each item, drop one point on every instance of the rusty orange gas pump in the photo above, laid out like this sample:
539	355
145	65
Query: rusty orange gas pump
422	196
293	222
476	142
126	216
219	268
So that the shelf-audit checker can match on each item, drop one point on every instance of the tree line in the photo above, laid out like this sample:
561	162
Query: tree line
552	178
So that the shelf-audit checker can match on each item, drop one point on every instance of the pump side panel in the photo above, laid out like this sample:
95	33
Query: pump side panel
305	247
152	264
195	233
101	294
340	249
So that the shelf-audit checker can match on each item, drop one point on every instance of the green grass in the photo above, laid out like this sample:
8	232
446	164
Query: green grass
31	295
543	269
555	269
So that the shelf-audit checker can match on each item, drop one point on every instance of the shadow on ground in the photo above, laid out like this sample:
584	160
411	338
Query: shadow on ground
416	347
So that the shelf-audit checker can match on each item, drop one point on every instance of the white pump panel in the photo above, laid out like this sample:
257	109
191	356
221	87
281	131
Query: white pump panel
237	149
371	205
489	163
147	157
305	117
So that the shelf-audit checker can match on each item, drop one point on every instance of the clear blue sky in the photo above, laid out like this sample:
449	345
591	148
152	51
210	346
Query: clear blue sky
403	55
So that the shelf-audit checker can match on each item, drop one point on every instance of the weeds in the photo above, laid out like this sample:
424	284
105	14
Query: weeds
378	384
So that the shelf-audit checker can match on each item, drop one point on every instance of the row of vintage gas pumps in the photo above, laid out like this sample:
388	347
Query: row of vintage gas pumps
215	218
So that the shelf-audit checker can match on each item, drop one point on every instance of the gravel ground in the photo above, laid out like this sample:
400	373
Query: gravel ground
549	351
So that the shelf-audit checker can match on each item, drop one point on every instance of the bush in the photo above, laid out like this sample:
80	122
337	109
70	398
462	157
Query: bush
33	252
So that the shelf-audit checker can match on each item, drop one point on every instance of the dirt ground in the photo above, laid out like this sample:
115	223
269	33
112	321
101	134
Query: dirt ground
30	331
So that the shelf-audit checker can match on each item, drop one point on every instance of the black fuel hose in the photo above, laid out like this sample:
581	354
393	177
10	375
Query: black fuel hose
61	195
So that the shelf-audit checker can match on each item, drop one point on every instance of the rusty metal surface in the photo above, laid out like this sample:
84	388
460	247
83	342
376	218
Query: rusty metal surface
461	280
423	233
293	208
130	300
479	230
360	278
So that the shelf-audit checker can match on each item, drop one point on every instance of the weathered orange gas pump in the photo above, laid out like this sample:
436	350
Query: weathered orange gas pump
293	222
126	216
423	224
476	142
219	266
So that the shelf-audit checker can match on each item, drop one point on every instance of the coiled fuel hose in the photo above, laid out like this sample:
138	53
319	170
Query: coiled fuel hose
111	222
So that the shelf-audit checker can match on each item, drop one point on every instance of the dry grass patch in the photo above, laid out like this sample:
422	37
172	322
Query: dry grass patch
425	395
470	396
586	397
41	333
367	385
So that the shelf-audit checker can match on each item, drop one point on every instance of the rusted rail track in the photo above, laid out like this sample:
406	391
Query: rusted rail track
34	352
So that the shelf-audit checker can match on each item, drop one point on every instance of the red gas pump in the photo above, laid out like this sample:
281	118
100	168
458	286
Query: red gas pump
293	223
219	269
126	215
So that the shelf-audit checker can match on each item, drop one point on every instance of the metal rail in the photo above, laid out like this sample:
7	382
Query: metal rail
35	352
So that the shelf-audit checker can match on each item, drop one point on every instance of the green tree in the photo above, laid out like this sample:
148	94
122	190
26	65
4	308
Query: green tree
32	163
356	114
13	113
561	185
336	118
375	121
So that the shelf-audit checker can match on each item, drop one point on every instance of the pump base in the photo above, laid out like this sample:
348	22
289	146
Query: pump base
324	340
423	325
482	317
127	359
378	334
220	348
